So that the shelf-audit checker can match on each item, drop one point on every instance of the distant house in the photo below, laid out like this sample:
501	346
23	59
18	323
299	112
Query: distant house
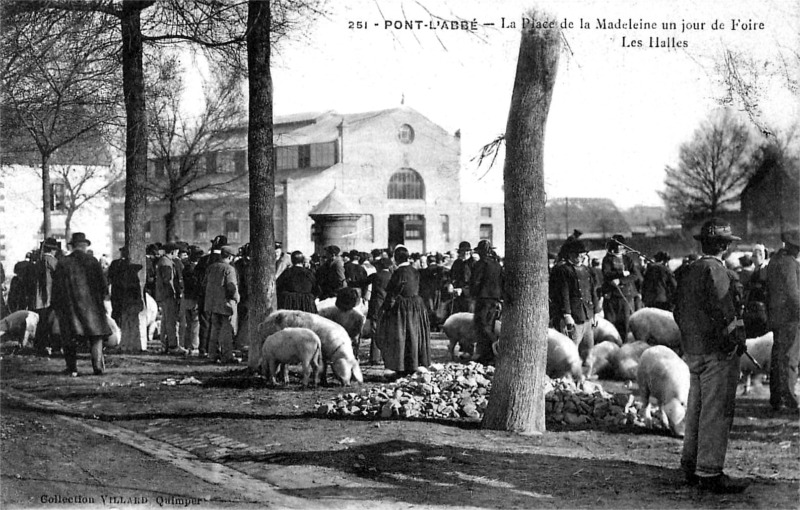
393	177
771	201
597	218
21	200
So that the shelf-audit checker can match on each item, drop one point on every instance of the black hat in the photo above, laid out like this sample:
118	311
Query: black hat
464	246
333	249
51	244
716	228
79	237
576	233
573	246
484	246
278	244
171	246
791	237
219	241
661	256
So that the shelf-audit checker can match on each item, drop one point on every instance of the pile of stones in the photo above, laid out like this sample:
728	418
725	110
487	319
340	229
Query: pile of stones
458	391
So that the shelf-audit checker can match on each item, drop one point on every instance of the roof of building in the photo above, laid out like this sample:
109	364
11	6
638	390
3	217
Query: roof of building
306	128
335	203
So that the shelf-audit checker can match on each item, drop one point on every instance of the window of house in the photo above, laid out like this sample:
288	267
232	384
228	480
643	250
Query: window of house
211	162
366	227
120	235
445	221
405	133
160	168
240	162
226	163
406	184
286	157
58	196
303	156
486	232
323	154
200	226
486	212
231	226
148	230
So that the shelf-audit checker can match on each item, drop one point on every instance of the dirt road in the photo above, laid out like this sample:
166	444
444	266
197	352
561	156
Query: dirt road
232	442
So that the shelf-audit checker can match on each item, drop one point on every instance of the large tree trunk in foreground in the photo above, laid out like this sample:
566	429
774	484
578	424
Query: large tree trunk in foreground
517	398
135	158
261	279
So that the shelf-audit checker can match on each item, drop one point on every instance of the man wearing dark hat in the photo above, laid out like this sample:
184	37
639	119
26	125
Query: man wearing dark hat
620	280
658	285
206	261
712	338
79	289
169	291
221	299
460	275
126	294
486	287
783	306
355	274
42	270
574	304
330	275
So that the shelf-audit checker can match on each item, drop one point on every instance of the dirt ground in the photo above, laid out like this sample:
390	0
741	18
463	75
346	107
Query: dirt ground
271	435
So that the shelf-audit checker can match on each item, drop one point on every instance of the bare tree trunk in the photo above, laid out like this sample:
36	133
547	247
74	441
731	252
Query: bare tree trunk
517	398
170	218
262	174
68	223
135	156
47	200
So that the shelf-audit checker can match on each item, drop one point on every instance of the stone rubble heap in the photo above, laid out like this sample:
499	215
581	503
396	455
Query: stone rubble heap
458	391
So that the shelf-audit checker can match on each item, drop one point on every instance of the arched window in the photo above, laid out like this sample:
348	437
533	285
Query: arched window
406	184
200	226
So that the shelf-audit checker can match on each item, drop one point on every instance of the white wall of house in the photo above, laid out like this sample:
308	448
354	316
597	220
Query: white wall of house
21	217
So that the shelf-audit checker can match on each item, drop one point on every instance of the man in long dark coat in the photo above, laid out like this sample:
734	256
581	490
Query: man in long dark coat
486	287
79	289
48	332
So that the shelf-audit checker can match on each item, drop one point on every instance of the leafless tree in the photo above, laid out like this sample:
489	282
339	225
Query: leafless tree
184	148
58	88
712	169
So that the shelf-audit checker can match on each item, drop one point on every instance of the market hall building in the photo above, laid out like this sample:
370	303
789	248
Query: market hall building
363	180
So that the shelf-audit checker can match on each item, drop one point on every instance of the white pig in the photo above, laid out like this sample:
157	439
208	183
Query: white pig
351	320
606	332
20	326
459	330
336	347
116	334
656	327
665	377
563	357
291	346
761	349
626	360
601	356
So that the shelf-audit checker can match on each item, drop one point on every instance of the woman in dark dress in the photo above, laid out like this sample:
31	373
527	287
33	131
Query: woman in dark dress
404	330
297	287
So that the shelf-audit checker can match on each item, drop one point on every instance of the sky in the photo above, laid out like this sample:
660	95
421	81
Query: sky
618	114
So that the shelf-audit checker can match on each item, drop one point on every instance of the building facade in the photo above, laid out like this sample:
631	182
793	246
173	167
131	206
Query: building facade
396	173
